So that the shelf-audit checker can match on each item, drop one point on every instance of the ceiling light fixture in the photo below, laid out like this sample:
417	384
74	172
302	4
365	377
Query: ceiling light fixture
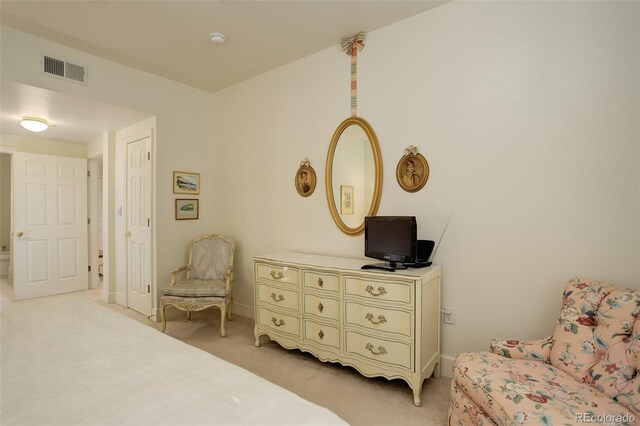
33	124
216	38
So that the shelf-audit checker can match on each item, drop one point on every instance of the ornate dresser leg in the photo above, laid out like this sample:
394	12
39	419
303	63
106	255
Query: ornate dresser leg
416	396
255	333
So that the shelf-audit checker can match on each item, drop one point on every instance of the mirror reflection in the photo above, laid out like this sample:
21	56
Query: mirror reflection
353	175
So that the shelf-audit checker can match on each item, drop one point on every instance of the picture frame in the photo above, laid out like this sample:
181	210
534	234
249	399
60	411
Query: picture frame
346	200
186	183
412	172
187	208
305	180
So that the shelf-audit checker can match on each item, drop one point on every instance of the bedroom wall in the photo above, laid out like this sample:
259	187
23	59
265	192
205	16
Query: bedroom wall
528	115
184	128
42	146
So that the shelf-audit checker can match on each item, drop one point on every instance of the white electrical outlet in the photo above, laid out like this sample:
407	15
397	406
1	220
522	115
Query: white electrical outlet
449	315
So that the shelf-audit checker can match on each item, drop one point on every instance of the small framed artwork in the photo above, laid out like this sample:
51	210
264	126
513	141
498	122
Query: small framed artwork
186	183
412	172
305	179
187	209
346	199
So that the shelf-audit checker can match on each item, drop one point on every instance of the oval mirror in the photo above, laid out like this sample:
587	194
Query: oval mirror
353	175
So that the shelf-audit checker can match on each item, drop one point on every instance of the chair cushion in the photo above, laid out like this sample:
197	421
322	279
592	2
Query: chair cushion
516	391
193	302
210	259
196	288
463	411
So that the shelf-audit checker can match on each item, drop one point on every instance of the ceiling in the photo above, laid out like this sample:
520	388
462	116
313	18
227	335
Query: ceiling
71	119
171	39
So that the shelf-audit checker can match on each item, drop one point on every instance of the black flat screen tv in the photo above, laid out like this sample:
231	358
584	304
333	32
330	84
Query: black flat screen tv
391	238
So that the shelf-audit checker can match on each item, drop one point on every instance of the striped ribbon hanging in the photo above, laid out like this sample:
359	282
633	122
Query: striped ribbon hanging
352	47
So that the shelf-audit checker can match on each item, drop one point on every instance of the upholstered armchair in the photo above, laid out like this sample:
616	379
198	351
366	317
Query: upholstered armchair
585	372
206	281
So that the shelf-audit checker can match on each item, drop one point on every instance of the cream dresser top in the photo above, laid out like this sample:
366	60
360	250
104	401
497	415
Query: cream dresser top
346	264
343	263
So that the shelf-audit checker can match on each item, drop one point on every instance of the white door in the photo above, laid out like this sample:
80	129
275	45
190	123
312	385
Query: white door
139	226
50	225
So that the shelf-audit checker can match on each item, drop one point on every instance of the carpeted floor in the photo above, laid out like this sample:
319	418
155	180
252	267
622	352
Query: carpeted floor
355	398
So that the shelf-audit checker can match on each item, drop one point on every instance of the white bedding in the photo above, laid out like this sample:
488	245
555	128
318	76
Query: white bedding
67	360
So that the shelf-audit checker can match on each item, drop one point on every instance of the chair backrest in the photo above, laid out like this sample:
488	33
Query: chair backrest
597	339
210	256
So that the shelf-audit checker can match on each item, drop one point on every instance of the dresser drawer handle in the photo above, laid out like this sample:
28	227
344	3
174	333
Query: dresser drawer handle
381	319
320	282
278	276
278	298
320	307
276	322
381	349
321	335
381	291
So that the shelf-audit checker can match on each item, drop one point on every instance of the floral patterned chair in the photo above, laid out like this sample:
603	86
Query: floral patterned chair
585	372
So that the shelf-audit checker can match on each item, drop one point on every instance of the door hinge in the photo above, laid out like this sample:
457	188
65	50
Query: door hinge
149	289
88	173
148	222
88	221
89	268
149	155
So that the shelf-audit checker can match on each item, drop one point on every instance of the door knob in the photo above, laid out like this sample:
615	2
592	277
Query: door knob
19	234
128	233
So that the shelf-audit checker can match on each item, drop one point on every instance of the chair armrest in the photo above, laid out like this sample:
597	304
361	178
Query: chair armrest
535	350
175	272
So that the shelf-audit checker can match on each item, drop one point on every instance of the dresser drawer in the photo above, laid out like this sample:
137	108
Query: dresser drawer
322	281
278	297
277	274
379	319
392	353
322	307
322	334
276	321
379	290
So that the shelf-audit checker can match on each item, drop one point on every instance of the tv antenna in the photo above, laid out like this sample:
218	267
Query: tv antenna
441	235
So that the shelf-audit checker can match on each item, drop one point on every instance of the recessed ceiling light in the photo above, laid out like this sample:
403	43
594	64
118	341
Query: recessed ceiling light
216	38
33	124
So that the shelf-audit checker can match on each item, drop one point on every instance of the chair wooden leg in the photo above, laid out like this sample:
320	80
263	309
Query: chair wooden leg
163	306
223	317
229	306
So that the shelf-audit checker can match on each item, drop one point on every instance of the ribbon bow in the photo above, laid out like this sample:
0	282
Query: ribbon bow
411	150
305	163
357	42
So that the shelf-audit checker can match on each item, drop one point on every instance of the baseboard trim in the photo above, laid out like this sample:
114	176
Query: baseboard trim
108	297
243	310
446	366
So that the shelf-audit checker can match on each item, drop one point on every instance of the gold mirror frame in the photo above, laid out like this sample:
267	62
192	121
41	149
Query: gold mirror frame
377	160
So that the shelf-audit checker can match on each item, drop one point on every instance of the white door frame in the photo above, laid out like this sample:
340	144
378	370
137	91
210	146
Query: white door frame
10	150
92	213
147	133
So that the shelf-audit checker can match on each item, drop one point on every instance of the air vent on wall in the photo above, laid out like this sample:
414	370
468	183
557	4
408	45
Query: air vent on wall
64	69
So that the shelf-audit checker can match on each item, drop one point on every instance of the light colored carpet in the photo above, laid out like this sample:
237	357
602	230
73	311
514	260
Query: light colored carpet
355	398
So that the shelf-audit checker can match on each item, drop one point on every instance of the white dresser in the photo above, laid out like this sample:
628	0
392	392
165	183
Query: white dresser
381	323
